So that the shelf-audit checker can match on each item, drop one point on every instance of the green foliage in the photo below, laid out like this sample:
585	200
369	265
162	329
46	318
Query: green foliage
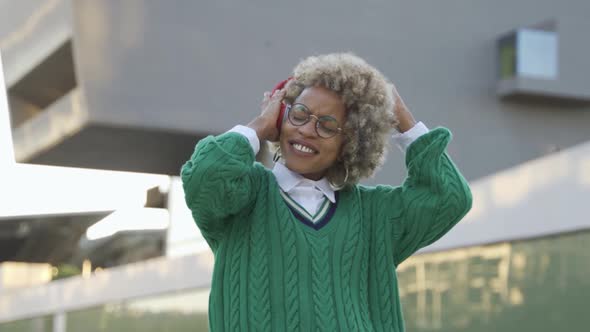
67	270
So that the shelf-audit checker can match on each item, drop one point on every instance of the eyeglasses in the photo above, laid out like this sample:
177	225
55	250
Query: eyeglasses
325	126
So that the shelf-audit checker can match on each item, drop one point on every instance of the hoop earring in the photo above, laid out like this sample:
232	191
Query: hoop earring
277	155
340	186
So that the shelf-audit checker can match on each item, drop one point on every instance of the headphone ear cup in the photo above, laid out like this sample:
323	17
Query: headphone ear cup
281	116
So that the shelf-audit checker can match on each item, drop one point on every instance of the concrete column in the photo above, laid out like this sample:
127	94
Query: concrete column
6	149
59	322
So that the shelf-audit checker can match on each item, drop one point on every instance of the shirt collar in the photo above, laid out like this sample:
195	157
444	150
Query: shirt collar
287	180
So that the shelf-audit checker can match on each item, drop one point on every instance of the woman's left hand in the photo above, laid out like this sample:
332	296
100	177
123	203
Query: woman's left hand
404	119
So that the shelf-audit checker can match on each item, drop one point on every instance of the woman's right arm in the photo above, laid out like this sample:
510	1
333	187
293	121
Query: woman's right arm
219	181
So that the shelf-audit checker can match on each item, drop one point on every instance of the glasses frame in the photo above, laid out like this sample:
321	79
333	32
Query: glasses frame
312	116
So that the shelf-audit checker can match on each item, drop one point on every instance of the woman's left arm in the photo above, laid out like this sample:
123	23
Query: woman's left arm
434	196
404	120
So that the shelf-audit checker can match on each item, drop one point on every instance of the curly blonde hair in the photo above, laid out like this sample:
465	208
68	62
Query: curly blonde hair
368	98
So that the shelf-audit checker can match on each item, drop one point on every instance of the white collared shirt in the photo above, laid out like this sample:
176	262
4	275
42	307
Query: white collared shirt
308	193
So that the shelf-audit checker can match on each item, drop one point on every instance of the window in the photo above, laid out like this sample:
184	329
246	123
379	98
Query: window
528	53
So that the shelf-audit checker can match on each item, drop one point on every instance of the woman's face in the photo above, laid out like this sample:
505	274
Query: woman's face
318	153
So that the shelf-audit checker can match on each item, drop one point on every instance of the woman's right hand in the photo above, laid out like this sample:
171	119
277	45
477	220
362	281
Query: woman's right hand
265	123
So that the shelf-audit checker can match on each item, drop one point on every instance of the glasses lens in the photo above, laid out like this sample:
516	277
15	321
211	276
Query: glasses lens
298	115
327	127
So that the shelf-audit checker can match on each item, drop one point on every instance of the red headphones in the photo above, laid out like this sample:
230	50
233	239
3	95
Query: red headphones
281	116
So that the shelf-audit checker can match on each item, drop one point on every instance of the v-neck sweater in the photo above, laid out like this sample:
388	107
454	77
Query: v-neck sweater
275	273
317	221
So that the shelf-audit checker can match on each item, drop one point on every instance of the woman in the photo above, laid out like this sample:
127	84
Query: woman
304	246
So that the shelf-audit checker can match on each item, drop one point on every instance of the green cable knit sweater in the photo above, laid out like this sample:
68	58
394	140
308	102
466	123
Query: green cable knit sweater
274	273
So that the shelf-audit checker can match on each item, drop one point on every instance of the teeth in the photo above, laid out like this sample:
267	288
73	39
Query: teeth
302	148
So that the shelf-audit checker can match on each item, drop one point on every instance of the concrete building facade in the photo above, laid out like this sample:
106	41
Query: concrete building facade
133	85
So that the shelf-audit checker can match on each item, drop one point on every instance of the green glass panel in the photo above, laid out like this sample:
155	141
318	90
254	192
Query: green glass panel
180	312
507	61
535	285
37	324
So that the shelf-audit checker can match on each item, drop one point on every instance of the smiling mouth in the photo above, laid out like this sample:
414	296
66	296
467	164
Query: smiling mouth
302	148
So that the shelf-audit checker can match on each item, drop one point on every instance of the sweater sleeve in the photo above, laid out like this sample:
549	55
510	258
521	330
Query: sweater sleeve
434	195
432	199
219	182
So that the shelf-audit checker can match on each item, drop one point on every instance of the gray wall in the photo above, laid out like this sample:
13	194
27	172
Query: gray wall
214	61
200	68
29	31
